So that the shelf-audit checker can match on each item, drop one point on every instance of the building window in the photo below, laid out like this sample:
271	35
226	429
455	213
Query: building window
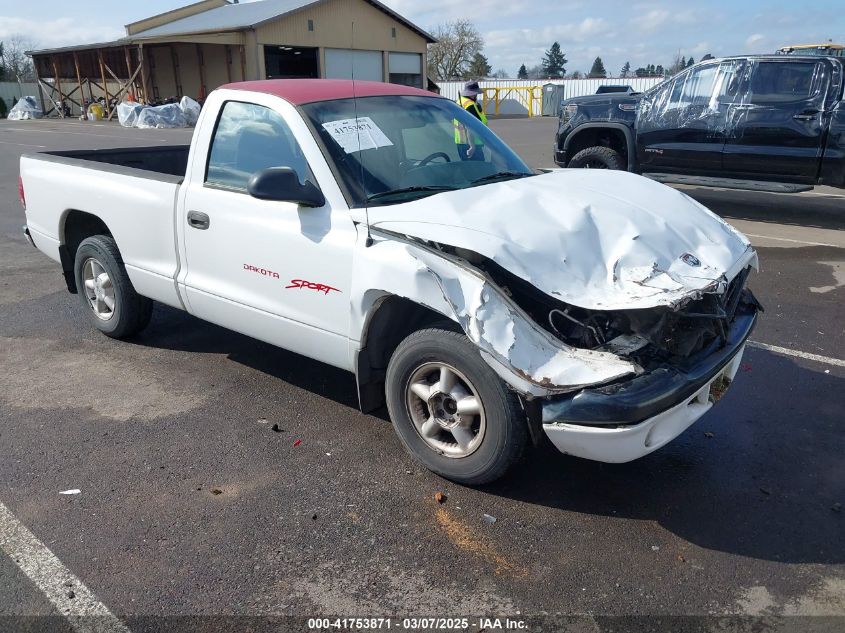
393	32
310	25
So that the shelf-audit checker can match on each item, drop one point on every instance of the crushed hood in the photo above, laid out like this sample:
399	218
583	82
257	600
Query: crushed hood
602	240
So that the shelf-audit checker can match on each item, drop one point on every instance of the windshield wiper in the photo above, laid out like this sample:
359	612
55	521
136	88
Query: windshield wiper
501	175
414	189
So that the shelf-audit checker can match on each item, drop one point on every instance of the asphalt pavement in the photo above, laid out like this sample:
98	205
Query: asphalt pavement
191	505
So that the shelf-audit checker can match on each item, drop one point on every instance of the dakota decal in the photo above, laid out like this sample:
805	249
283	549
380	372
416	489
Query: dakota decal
310	285
261	271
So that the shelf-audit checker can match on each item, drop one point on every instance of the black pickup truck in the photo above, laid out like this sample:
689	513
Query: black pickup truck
769	123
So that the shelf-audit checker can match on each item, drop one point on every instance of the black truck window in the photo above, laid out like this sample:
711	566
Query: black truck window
778	82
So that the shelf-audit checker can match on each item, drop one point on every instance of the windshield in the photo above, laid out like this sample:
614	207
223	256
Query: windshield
406	147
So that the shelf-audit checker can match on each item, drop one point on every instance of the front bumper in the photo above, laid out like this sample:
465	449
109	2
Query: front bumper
627	420
560	157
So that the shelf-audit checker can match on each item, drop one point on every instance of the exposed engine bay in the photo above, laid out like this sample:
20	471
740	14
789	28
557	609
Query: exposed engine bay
646	336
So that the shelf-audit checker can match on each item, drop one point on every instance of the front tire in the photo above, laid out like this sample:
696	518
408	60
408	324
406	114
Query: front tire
597	157
107	294
451	411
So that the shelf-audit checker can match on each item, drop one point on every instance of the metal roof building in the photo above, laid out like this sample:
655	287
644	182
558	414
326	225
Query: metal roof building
198	47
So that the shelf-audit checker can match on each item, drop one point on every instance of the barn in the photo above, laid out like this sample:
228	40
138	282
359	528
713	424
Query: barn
192	50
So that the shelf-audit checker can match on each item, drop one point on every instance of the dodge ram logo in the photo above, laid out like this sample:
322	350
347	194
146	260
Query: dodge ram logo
690	260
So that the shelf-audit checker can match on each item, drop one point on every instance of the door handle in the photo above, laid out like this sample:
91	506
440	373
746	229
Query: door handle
807	115
198	220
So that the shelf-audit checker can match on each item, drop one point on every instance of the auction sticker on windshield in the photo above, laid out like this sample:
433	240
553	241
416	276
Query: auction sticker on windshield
348	135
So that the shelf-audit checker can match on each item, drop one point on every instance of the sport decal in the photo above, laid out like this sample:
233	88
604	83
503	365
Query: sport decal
310	285
294	283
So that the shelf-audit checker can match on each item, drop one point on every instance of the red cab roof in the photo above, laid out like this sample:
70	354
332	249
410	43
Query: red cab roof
300	91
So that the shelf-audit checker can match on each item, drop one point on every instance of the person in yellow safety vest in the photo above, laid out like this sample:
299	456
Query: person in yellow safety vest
469	145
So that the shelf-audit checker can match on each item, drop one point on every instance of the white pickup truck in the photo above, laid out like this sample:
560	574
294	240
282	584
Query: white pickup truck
486	304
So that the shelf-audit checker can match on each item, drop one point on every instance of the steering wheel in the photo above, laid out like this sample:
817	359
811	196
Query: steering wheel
425	161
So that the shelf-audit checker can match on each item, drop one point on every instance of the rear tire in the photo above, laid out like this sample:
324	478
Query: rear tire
108	297
597	157
451	411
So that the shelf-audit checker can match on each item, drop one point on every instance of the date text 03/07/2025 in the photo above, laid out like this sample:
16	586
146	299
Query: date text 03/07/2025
417	624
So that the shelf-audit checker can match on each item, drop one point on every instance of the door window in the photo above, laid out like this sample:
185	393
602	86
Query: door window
249	138
779	82
698	87
702	89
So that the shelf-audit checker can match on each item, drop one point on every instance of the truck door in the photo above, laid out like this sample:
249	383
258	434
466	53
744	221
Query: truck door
272	270
681	126
775	131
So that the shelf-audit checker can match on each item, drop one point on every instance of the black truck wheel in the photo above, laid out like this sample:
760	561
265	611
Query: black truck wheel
450	409
597	157
107	294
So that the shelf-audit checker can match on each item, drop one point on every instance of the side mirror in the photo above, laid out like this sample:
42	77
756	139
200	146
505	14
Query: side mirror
282	184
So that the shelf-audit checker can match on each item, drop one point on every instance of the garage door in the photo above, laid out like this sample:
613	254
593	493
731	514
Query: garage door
406	69
368	64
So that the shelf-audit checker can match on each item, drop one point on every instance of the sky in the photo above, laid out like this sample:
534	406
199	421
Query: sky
514	31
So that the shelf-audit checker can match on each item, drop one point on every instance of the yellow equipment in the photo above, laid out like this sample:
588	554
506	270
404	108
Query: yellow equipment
821	50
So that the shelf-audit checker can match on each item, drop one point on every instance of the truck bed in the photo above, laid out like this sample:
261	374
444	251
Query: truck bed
133	191
169	160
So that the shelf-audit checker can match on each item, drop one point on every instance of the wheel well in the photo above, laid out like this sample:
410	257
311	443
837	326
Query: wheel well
394	319
598	136
78	226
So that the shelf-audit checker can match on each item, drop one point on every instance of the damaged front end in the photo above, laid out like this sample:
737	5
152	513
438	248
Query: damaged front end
636	377
646	336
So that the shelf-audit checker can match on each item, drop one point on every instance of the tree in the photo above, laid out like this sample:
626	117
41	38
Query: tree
678	64
575	74
690	62
479	67
626	70
457	44
14	61
500	74
650	70
535	72
597	71
522	73
554	62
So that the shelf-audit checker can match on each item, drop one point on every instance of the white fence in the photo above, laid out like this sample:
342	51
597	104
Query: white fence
12	90
572	88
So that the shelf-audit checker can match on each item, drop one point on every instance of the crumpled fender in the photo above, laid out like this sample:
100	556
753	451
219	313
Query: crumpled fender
525	355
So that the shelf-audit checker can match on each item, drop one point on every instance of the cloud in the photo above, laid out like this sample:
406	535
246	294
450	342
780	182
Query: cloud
588	29
756	43
658	19
57	32
434	12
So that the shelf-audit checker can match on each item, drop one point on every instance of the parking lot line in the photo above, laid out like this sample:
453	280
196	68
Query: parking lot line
84	612
23	144
798	354
53	131
786	239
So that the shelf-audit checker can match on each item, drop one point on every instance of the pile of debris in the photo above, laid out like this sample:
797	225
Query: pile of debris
26	108
171	115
